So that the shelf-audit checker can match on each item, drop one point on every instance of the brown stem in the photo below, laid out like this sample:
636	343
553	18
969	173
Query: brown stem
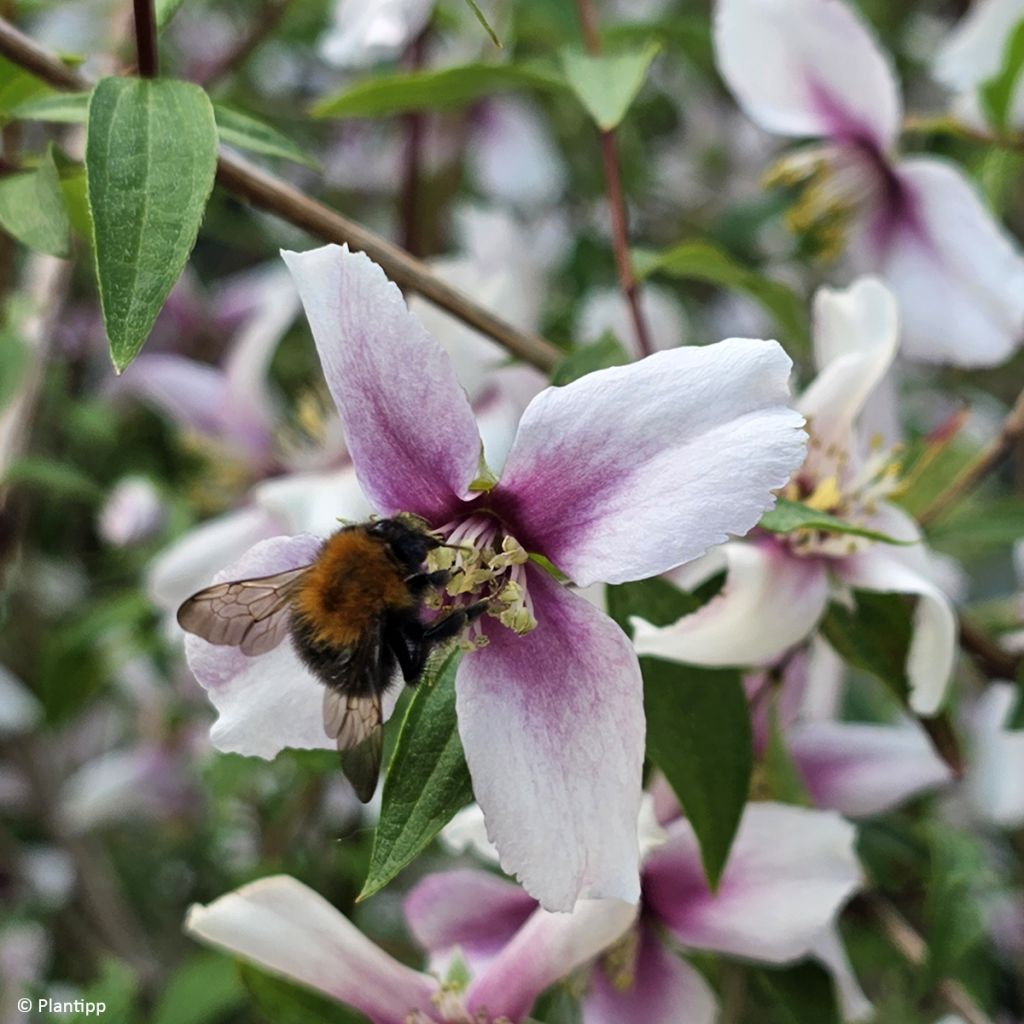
922	125
912	947
263	25
616	201
285	201
1011	431
145	39
995	661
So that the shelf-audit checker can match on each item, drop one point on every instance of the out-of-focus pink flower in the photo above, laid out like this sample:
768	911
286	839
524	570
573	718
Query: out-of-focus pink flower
132	513
285	927
790	872
777	588
603	486
811	68
363	32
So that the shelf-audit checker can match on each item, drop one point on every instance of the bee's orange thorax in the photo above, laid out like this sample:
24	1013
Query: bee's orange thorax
353	581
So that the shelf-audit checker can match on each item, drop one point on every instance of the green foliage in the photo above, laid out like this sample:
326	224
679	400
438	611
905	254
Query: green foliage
607	84
283	1002
248	132
32	208
605	352
165	10
874	636
117	988
957	878
790	516
17	87
202	991
61	108
434	90
427	779
150	159
702	261
698	726
803	994
997	93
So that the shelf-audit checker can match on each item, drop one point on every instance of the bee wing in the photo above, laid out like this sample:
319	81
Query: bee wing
355	723
249	614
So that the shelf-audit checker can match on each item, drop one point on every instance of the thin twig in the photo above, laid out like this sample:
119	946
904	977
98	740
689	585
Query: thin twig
912	947
278	197
616	201
995	661
921	125
1011	431
262	26
145	39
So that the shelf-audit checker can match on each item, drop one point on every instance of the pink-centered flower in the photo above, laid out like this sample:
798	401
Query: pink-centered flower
778	587
810	68
789	875
282	925
618	476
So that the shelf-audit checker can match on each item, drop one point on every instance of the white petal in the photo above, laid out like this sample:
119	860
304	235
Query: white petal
807	67
634	488
283	926
856	332
974	50
995	778
789	874
958	276
271	701
771	600
19	708
859	769
317	503
189	563
933	646
547	948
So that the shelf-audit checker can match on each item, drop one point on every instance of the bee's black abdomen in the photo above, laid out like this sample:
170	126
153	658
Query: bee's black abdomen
365	669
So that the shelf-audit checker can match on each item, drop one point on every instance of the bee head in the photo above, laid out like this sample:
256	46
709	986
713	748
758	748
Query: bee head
408	544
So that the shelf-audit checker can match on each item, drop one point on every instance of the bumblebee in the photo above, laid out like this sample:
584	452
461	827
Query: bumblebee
356	619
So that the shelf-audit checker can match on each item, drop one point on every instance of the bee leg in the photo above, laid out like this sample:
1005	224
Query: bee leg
404	637
454	622
423	581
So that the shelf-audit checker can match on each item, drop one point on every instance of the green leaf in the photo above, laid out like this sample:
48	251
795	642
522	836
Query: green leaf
62	108
956	891
481	17
804	993
874	636
997	93
698	725
606	84
32	208
699	735
17	86
57	478
165	10
284	1002
702	261
606	351
789	516
202	991
150	158
248	132
434	90
427	780
116	989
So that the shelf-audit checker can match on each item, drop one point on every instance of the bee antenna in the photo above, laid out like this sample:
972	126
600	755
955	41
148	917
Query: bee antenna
455	547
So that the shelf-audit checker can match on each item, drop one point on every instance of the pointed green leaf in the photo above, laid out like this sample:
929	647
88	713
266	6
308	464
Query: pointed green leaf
17	86
997	93
285	1002
62	108
607	84
698	726
606	351
702	261
803	993
482	18
248	132
790	516
165	10
434	90
32	208
427	780
150	159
